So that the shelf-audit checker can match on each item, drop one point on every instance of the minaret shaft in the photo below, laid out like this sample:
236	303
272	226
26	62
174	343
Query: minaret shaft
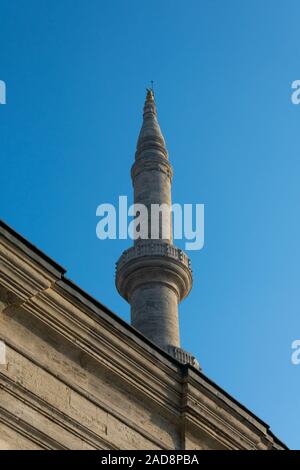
153	186
154	312
154	275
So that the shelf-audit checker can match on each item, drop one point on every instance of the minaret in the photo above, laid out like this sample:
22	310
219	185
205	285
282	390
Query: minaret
154	275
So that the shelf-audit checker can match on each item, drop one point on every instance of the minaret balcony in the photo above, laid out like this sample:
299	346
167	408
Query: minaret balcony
155	262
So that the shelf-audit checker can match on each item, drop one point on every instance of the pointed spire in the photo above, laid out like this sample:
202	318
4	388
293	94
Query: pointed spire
151	140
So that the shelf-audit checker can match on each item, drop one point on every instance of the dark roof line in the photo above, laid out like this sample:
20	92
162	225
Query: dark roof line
30	249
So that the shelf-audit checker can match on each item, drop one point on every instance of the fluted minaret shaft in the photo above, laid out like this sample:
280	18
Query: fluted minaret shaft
154	275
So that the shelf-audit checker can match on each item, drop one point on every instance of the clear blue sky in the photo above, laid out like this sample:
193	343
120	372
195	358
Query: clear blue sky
76	73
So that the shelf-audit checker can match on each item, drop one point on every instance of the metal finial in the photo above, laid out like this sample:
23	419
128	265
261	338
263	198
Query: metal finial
150	92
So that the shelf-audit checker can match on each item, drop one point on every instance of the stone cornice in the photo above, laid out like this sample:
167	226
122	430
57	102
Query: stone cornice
25	429
84	323
227	419
61	419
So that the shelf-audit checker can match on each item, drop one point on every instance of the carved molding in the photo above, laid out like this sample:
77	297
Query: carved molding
153	248
151	163
183	356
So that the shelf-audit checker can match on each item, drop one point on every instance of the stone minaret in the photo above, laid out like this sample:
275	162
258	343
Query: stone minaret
154	275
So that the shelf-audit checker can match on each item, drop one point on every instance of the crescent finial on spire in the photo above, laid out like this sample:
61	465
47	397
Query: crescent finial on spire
150	94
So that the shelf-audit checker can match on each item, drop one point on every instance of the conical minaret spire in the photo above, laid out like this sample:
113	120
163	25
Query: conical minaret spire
150	140
154	275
